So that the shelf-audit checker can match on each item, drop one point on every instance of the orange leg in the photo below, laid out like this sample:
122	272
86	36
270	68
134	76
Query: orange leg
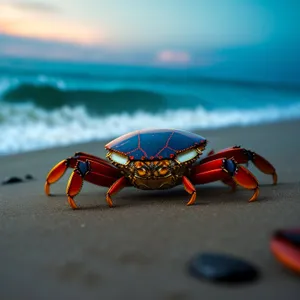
92	171
74	186
86	171
225	170
99	164
115	188
189	187
243	156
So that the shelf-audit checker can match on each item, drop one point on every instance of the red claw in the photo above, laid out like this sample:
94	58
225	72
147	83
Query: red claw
263	165
55	174
243	156
73	188
246	179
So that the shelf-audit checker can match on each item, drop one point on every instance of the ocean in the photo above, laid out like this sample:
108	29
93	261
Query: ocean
47	104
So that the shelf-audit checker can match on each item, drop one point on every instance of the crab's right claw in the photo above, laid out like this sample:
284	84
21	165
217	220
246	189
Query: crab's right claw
266	167
55	174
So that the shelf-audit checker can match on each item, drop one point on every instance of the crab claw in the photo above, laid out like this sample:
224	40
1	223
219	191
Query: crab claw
246	179
263	165
55	174
73	188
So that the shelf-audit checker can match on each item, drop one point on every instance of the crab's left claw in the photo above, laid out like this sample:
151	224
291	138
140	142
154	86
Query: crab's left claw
55	174
246	179
227	170
243	156
263	165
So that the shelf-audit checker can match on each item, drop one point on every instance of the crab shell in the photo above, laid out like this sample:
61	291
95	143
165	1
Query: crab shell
155	159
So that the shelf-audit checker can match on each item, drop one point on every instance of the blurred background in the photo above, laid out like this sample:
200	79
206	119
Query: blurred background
80	70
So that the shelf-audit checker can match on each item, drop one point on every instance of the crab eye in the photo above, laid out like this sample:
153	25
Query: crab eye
142	171
163	171
186	156
118	158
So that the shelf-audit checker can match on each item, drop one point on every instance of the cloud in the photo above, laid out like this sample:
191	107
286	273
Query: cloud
62	31
171	56
24	47
35	48
35	6
32	24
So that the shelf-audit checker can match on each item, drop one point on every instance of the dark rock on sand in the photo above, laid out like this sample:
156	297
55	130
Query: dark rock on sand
29	177
222	268
12	179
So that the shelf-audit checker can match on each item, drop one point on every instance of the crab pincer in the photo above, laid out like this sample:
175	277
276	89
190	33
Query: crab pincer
55	174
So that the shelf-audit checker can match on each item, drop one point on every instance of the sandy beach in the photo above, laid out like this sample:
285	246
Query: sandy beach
139	249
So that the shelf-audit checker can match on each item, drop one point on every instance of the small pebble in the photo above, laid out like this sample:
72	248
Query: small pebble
29	177
11	180
222	268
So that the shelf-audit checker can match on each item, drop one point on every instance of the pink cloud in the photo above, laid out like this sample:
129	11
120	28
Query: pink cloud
171	56
19	22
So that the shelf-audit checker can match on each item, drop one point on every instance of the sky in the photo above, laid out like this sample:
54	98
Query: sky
183	32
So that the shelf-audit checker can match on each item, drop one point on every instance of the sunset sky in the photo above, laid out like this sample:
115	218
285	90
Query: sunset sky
139	31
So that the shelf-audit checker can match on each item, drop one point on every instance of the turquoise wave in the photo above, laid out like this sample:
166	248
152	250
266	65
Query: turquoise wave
97	102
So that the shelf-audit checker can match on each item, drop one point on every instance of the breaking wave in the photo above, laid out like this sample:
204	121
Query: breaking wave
26	127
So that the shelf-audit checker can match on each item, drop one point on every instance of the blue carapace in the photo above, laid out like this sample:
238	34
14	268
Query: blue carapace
155	144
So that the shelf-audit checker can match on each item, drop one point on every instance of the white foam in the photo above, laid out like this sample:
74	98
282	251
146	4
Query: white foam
26	127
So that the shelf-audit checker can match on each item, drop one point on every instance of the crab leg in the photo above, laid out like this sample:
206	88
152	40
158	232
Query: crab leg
115	188
87	171
226	170
230	182
189	187
243	156
59	169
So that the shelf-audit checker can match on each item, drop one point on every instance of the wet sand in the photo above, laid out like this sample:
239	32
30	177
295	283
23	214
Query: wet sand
139	249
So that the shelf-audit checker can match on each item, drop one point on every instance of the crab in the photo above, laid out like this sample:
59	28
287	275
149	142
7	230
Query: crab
154	159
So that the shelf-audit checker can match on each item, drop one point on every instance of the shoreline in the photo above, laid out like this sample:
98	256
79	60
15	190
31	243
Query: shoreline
203	132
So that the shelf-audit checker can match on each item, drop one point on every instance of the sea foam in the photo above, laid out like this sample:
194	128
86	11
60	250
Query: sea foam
24	127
